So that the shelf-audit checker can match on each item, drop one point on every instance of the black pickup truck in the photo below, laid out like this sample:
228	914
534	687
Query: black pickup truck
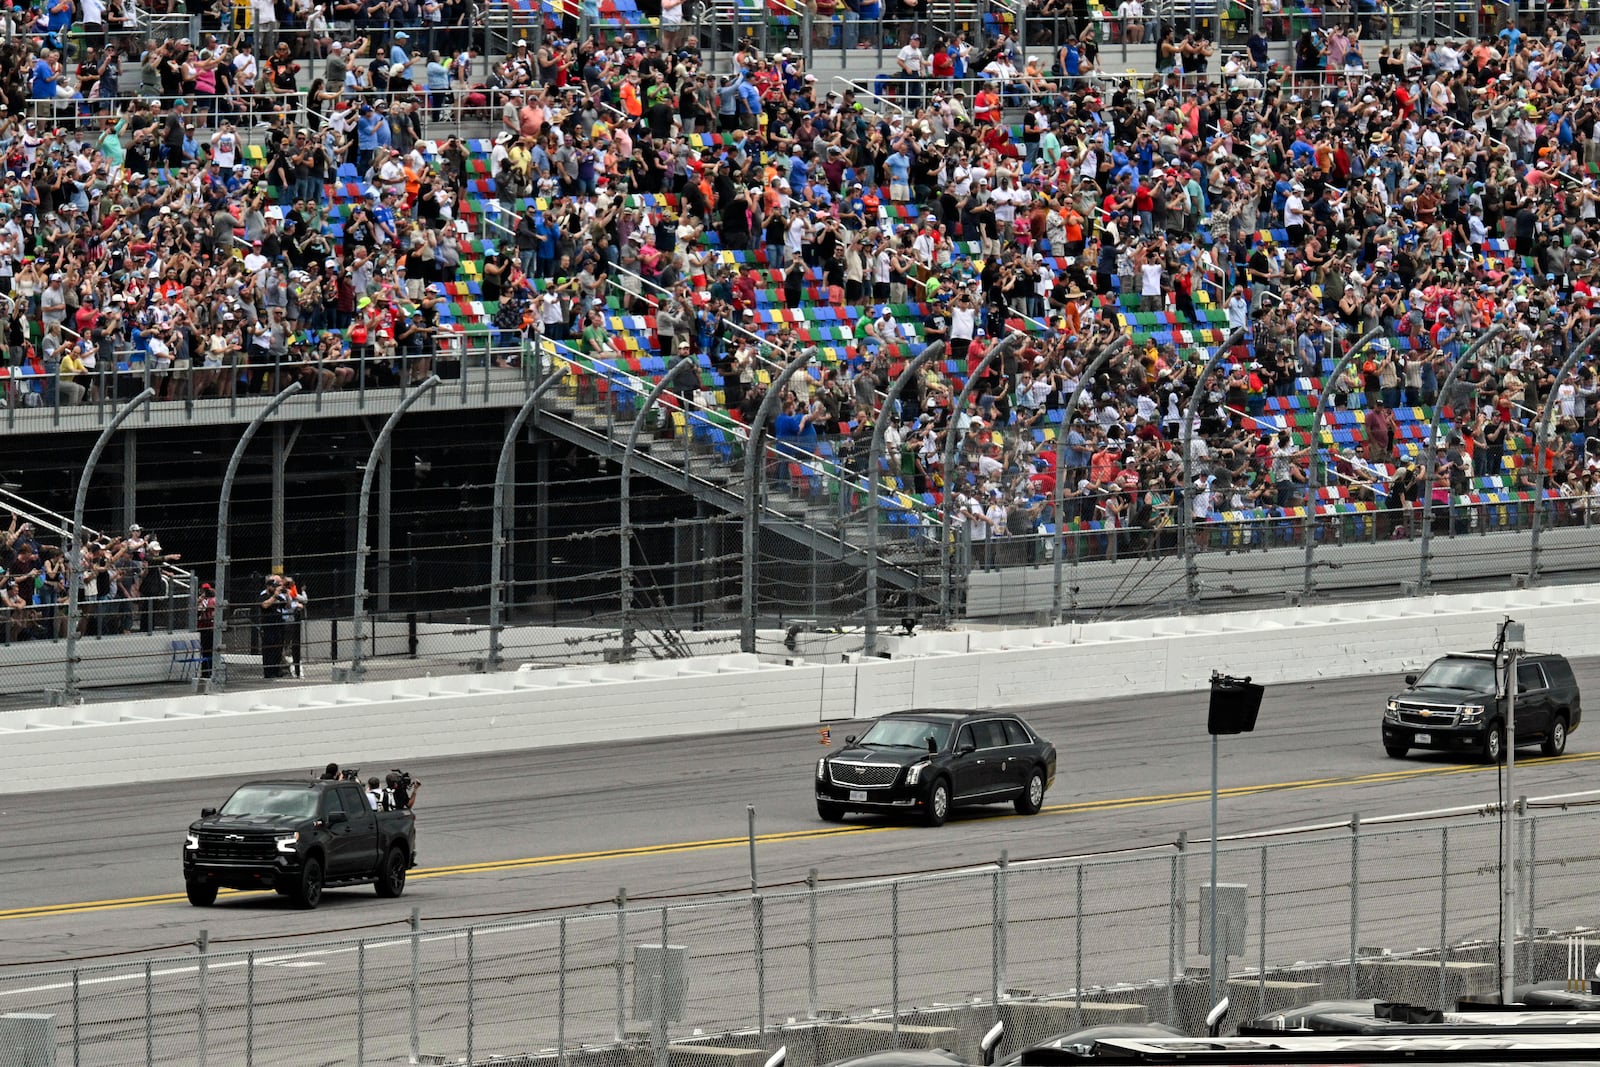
298	838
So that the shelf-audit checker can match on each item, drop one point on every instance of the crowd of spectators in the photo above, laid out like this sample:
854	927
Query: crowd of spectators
124	584
1431	190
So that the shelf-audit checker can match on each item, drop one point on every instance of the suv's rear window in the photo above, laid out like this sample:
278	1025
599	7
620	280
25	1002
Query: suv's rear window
1473	675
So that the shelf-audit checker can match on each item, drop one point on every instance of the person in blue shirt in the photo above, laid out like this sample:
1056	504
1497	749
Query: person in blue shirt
397	51
438	82
367	122
44	78
547	235
899	167
799	170
750	97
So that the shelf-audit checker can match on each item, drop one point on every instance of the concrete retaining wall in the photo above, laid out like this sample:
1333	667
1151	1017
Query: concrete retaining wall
236	733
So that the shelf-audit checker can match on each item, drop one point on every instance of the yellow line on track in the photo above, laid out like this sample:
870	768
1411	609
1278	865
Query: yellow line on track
41	911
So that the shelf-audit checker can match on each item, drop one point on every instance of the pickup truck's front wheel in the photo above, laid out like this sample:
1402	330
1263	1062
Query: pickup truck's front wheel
201	894
308	894
392	878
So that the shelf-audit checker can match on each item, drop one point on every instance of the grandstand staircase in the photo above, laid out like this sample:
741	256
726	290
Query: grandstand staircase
821	511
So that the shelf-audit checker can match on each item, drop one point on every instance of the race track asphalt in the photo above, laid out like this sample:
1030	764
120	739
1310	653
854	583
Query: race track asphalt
97	871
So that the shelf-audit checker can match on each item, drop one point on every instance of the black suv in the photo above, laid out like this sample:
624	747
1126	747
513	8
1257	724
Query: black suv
927	762
1454	706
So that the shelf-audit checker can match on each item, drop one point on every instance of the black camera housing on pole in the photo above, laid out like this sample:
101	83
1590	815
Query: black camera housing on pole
1235	703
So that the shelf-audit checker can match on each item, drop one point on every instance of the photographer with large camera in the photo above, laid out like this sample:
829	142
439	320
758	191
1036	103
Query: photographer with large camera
272	602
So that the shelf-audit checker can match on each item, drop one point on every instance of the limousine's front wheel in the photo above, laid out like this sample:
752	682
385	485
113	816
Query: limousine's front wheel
937	808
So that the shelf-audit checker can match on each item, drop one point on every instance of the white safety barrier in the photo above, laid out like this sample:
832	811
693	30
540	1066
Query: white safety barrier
386	722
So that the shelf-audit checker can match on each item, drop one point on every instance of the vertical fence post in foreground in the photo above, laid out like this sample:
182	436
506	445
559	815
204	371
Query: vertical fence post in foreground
69	690
472	1001
250	1008
1077	952
497	548
561	995
77	1017
202	1007
361	1004
1174	910
1444	914
416	961
1528	864
219	626
659	1027
359	610
758	921
1355	896
754	467
811	943
149	1015
1261	966
620	964
894	961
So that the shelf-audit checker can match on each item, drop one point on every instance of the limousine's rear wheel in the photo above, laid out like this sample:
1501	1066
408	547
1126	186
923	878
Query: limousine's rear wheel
830	812
937	809
1031	799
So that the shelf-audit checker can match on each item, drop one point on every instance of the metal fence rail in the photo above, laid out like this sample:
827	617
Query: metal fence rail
1320	906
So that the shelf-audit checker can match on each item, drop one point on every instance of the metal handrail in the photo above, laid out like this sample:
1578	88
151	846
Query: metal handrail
692	410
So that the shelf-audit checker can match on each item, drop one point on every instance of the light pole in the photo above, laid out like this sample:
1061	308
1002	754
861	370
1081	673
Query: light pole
1235	703
1508	646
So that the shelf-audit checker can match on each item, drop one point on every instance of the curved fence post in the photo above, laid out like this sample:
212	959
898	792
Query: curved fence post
357	623
947	543
219	615
1313	470
1540	448
625	528
1191	410
69	689
753	468
874	460
1430	460
497	548
1068	416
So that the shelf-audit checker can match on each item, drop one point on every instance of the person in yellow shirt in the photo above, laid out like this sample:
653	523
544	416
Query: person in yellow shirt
68	392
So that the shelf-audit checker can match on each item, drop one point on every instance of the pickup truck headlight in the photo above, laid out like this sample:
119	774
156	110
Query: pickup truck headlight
1470	712
822	768
916	772
191	841
1392	711
286	842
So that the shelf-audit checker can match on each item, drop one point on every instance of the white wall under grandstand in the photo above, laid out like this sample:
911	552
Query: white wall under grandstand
238	733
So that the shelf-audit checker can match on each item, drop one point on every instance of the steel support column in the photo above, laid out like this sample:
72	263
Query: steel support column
1431	446
69	690
1191	570
358	622
625	530
1541	436
874	463
1068	415
753	468
497	549
947	544
1313	469
219	633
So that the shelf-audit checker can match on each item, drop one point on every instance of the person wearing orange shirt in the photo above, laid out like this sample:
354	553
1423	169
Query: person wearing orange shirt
632	105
